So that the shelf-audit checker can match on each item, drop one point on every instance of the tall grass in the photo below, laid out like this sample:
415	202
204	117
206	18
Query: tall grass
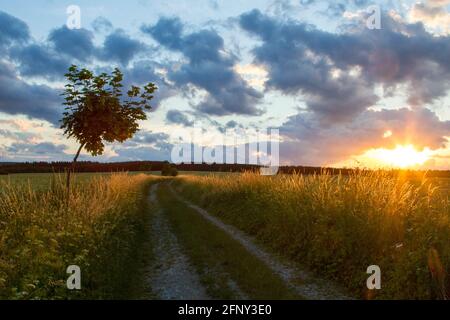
41	235
339	225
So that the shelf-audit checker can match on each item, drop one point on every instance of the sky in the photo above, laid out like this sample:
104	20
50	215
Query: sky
341	89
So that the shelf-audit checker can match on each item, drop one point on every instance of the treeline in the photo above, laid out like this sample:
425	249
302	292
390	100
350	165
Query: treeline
50	167
348	171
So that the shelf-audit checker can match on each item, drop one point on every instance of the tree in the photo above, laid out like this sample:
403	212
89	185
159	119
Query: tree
96	111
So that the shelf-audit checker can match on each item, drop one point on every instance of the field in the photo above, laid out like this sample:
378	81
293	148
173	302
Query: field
135	243
99	229
339	226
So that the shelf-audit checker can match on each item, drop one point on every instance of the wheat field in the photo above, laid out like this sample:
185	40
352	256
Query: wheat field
41	233
339	225
335	225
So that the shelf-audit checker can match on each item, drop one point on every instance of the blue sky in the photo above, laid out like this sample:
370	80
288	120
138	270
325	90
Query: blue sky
338	91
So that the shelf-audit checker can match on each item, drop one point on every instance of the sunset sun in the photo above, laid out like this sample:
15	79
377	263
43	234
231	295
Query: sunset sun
403	156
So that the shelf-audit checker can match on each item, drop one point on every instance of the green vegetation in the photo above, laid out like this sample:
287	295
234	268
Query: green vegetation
101	230
336	225
218	258
169	170
96	112
339	225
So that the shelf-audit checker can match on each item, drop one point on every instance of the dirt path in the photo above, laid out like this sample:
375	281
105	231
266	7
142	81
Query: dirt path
172	276
300	280
197	256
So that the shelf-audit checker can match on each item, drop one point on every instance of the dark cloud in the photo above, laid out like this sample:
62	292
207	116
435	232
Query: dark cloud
209	67
302	59
51	59
167	31
232	124
19	97
119	47
178	117
76	43
12	30
41	61
294	68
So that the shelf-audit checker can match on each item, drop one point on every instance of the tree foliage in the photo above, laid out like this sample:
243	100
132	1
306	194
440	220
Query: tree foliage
97	111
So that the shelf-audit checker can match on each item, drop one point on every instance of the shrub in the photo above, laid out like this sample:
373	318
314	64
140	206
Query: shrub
169	170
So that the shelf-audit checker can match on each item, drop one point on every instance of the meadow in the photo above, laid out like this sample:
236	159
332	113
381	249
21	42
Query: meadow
99	229
340	225
335	225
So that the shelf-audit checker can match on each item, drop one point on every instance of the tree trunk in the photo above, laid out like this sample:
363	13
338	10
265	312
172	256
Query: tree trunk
72	167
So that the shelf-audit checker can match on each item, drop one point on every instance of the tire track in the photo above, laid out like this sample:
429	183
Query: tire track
300	280
171	275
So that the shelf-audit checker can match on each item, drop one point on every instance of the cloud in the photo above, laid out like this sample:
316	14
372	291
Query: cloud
320	65
119	47
26	58
177	117
308	141
79	44
335	74
438	3
167	31
145	146
29	149
18	136
145	137
433	14
12	30
19	97
75	43
40	61
101	24
142	72
141	154
209	67
293	67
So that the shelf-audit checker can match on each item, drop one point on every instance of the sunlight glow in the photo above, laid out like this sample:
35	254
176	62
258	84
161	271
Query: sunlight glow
401	156
387	134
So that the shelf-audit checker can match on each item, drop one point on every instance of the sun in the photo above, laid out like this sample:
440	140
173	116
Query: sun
403	156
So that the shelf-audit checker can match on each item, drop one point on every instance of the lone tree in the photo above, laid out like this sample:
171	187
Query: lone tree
96	110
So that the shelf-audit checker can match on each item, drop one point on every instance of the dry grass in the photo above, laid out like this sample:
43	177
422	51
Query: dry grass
339	225
40	235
